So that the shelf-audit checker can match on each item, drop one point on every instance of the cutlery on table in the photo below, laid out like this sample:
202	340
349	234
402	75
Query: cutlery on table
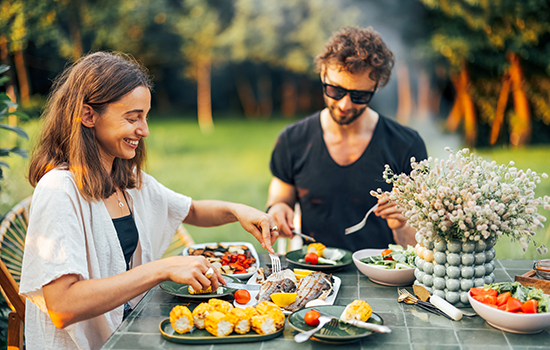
360	225
248	287
302	337
360	324
441	303
304	236
407	298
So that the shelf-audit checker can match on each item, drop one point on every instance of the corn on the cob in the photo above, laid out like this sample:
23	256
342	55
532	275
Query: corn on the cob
220	305
251	311
218	324
203	291
181	319
200	313
264	324
316	248
267	307
240	320
358	310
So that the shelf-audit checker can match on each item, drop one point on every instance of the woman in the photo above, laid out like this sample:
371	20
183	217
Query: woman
98	224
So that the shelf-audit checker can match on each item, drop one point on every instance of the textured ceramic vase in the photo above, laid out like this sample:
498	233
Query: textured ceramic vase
450	268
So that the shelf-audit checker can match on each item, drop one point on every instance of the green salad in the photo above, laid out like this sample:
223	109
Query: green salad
395	257
523	293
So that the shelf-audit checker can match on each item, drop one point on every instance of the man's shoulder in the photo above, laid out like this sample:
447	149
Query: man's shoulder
398	131
302	126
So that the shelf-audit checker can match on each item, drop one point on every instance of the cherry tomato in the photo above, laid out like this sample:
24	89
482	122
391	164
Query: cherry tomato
513	305
385	254
242	296
312	317
312	258
531	306
483	291
503	298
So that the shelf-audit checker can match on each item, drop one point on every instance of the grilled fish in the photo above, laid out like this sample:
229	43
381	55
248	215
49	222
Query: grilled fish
269	287
317	285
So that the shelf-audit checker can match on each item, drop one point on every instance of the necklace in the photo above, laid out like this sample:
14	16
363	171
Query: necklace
120	204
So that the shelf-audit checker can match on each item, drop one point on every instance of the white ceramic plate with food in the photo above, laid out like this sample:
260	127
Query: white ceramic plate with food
328	301
509	321
387	277
250	270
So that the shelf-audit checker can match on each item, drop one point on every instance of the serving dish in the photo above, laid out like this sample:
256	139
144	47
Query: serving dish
341	334
509	321
201	336
294	256
182	290
387	277
242	276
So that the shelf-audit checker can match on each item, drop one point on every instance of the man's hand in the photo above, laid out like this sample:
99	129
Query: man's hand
284	218
388	210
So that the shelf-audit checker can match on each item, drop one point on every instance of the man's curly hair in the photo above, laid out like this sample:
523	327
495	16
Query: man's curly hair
357	50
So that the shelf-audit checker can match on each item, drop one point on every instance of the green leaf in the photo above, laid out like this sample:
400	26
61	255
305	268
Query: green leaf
3	80
15	129
21	115
19	151
3	164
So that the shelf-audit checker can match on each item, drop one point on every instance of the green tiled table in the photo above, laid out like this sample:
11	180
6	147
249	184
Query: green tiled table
412	327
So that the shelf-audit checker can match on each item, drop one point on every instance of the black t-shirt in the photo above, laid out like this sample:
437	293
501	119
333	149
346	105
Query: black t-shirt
334	197
128	236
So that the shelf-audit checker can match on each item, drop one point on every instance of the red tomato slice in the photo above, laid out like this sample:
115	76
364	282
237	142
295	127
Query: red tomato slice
513	305
385	254
483	291
531	306
311	258
503	298
486	299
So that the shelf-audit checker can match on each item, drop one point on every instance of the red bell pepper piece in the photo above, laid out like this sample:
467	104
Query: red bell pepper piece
531	306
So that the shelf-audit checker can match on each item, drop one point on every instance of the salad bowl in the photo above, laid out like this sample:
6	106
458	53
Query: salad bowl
380	275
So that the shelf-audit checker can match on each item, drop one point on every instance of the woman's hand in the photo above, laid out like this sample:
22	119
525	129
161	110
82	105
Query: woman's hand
261	225
192	270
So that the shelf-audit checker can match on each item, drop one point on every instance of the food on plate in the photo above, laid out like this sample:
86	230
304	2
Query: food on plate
264	324
181	319
218	324
220	305
301	273
251	311
358	310
317	285
512	297
200	313
228	259
395	257
203	291
283	299
275	318
283	282
316	248
312	318
240	320
242	296
311	258
316	302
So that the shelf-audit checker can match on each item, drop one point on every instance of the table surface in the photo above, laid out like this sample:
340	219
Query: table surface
412	327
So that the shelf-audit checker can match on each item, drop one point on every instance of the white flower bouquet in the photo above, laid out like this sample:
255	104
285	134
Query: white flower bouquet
467	198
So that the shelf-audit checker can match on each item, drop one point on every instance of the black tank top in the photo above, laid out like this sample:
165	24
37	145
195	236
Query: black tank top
127	235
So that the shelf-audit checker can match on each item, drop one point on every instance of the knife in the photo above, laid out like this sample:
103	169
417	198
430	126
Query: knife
371	326
306	237
248	287
440	303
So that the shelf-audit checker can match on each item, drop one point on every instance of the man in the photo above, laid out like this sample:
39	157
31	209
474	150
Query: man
330	161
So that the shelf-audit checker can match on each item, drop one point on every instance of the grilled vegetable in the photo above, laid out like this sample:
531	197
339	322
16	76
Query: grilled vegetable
204	291
218	324
240	320
220	305
200	313
267	307
358	310
316	248
181	319
264	324
251	311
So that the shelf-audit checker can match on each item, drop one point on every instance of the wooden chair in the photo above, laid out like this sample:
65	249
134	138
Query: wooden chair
13	230
181	239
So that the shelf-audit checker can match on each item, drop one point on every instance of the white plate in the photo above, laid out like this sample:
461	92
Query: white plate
328	301
387	277
249	245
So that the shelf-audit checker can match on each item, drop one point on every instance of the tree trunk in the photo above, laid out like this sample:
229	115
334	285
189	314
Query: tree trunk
521	131
288	103
423	95
463	106
404	104
304	95
204	102
264	93
245	93
22	78
75	31
501	108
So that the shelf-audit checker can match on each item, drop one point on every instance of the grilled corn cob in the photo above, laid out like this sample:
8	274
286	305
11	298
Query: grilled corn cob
203	291
220	305
267	307
358	310
264	324
251	311
200	313
240	320
181	319
218	324
316	248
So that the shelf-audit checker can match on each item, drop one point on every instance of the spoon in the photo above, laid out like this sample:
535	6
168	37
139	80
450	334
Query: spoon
302	337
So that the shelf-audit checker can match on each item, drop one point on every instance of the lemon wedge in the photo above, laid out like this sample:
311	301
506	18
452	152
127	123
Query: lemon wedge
283	299
301	273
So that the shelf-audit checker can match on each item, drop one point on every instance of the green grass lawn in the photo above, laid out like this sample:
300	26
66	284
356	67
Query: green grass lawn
232	164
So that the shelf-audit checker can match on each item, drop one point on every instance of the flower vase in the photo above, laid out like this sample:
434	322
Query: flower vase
449	269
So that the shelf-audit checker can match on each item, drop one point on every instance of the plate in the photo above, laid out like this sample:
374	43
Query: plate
343	333
182	290
249	245
201	336
329	300
387	277
294	256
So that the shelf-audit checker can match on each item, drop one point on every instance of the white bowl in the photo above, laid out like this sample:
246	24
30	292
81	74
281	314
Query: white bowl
401	277
509	321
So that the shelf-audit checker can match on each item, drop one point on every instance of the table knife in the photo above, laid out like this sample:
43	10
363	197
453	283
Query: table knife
371	326
248	287
304	236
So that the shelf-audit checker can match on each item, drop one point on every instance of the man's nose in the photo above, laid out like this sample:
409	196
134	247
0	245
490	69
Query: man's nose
345	102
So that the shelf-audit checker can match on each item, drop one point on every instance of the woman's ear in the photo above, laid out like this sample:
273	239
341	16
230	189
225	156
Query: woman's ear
88	116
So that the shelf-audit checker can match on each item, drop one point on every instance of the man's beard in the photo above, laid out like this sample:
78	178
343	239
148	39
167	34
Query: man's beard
355	114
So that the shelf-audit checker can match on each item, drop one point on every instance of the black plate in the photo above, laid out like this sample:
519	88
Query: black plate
182	290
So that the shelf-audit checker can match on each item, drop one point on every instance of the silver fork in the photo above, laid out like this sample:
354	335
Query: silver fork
275	263
302	337
360	225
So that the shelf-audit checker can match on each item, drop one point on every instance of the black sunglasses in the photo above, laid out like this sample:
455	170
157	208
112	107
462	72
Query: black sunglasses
359	97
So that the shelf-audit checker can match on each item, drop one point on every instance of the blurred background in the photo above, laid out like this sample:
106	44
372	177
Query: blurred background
229	75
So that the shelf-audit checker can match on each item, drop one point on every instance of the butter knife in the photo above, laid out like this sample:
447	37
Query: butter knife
248	287
306	237
371	326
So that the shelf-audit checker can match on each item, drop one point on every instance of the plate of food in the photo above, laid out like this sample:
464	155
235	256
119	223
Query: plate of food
342	332
182	290
217	321
238	259
393	266
316	256
294	289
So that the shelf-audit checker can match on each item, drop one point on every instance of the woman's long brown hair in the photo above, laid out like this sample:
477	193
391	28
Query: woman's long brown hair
97	79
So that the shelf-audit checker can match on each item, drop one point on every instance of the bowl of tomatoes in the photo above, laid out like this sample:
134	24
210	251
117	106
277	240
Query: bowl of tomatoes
391	267
512	307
